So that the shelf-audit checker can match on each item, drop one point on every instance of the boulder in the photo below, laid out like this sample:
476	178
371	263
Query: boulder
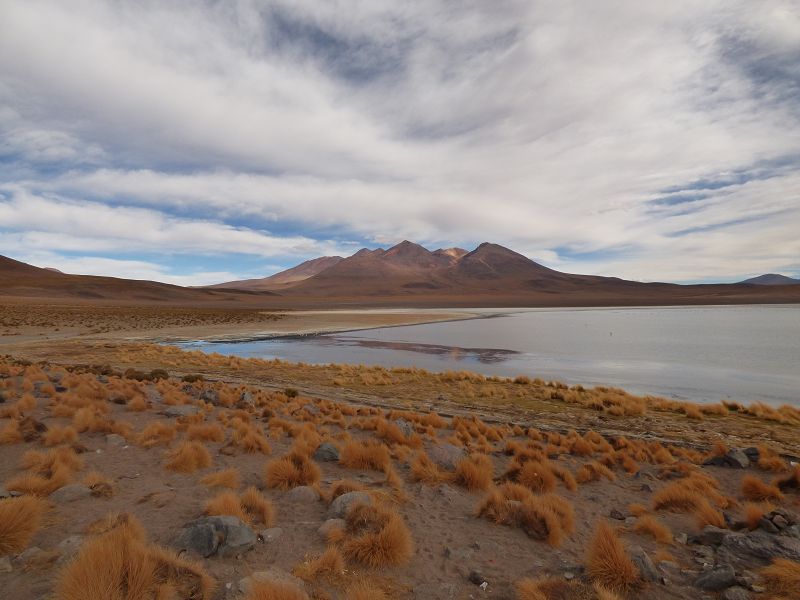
446	455
302	494
760	544
71	493
716	579
645	565
711	536
735	458
339	507
326	452
218	535
180	410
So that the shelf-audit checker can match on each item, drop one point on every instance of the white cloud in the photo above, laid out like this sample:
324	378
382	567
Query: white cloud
549	127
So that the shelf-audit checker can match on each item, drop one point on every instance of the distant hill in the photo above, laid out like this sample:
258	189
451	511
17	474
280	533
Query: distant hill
285	278
21	280
771	279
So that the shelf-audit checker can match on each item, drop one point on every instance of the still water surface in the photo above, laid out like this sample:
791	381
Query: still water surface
700	353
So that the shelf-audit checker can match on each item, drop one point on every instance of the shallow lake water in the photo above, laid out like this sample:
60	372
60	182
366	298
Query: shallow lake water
700	353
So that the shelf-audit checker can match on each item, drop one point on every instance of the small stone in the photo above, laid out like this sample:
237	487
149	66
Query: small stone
669	565
752	453
780	522
114	439
222	535
645	564
735	593
768	526
302	495
712	536
404	426
331	525
475	577
569	575
446	455
682	538
630	521
762	545
717	579
342	504
71	493
327	452
645	488
180	410
273	534
5	565
29	554
615	514
69	547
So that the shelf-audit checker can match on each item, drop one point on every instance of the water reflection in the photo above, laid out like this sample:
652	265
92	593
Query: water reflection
486	356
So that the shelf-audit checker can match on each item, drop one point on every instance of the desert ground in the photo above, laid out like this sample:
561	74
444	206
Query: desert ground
132	469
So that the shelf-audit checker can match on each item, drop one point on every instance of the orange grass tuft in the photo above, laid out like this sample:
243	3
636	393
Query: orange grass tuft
376	536
649	525
365	455
227	478
226	503
257	508
755	490
474	472
19	520
782	577
188	458
290	471
607	561
275	590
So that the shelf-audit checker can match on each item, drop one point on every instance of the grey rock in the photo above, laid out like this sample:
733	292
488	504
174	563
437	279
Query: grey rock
716	579
446	455
29	554
645	565
737	458
752	453
615	514
404	426
5	565
780	522
246	398
630	521
114	439
180	410
302	494
712	536
273	534
669	565
311	409
326	452
270	574
4	493
219	535
210	396
475	577
704	555
71	493
760	544
768	526
682	538
69	547
735	593
339	507
793	531
331	525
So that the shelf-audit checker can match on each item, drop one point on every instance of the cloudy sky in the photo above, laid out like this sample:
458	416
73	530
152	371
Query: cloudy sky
195	142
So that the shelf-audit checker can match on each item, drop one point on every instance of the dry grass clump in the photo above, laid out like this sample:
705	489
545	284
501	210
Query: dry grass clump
753	513
782	577
101	486
226	503
706	514
205	432
548	517
474	472
188	458
292	470
10	433
19	520
790	481
554	588
275	590
422	468
364	590
57	435
342	486
538	476
227	478
249	438
689	493
47	471
365	455
607	561
376	536
257	508
649	525
594	471
121	564
329	565
158	433
755	490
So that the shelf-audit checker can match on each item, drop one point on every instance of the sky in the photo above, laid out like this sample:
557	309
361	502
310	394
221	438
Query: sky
196	142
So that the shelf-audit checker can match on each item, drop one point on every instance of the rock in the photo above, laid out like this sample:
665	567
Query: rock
737	459
615	514
446	455
669	565
760	544
331	525
311	409
210	396
4	493
646	488
704	555
735	593
645	565
180	410
768	526
716	579
69	547
221	535
780	522
630	521
302	494
114	439
246	398
271	574
682	538
327	452
792	530
5	565
71	493
752	453
476	578
711	536
29	554
404	426
273	534
342	504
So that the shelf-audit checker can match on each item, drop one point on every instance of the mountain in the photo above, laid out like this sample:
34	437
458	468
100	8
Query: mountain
285	278
771	279
21	280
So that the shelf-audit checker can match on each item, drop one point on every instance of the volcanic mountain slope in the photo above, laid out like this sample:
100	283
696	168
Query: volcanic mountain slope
771	279
21	280
285	278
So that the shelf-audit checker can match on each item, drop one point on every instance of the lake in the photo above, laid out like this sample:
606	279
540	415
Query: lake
704	354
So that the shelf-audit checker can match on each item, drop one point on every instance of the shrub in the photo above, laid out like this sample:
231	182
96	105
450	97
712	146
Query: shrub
376	537
120	564
706	514
364	590
227	478
157	433
205	432
291	471
329	565
782	577
257	507
226	503
188	458
687	494
538	476
19	520
10	433
275	590
755	490
594	471
423	469
546	517
365	455
649	525
474	472
607	561
101	486
60	435
753	513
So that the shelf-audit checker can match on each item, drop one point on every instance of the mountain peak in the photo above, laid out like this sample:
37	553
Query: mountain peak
771	279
